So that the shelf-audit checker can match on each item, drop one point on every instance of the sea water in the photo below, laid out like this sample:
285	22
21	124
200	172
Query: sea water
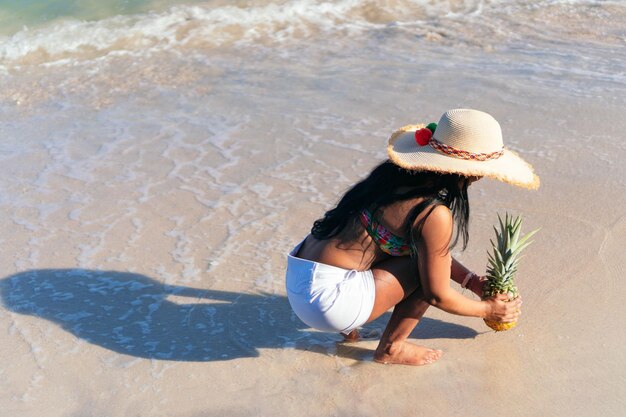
17	15
212	121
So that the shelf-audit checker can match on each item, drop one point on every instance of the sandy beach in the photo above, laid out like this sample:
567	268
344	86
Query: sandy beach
155	175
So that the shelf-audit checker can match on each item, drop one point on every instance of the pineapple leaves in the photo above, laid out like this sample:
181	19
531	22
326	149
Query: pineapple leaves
503	260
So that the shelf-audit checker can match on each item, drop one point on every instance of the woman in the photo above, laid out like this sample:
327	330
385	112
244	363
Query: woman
387	242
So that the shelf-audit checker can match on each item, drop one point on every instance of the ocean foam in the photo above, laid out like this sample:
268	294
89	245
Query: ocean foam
211	27
583	29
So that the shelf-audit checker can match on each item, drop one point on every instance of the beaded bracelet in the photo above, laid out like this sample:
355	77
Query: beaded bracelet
468	278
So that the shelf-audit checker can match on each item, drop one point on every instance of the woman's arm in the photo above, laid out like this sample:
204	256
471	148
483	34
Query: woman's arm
435	268
458	272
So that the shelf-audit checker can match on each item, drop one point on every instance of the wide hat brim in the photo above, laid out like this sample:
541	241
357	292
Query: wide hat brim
404	151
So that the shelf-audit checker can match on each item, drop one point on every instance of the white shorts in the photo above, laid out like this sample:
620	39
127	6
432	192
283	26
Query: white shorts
329	298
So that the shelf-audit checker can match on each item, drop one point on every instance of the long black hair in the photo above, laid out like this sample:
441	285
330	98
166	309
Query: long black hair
389	183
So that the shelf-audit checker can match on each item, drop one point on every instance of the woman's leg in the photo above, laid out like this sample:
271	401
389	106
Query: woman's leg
397	284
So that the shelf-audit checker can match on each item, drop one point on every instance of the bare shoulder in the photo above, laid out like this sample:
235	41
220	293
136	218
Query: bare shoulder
437	229
439	216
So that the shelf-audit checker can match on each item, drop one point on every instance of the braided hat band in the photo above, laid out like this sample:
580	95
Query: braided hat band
459	153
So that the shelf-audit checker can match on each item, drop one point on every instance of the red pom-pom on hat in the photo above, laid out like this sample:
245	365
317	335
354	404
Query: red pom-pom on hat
422	136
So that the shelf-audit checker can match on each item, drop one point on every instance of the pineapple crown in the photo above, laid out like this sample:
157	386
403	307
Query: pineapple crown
510	242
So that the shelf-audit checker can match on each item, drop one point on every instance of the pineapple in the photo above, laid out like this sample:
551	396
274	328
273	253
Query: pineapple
503	262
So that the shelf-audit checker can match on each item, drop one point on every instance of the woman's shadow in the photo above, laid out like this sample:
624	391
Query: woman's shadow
139	316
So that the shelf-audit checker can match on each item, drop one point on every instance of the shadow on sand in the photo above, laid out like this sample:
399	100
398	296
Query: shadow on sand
139	316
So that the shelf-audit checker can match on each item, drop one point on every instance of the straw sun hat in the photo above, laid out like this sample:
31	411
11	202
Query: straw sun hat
467	142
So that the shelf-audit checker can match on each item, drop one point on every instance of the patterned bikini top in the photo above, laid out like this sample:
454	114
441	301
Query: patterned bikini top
389	243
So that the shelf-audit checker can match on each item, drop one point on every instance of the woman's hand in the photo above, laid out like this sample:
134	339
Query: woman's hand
501	310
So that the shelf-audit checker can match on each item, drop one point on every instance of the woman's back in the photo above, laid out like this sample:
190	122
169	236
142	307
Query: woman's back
355	248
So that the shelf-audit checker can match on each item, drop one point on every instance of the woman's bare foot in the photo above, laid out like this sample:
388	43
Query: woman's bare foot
363	334
353	336
406	353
